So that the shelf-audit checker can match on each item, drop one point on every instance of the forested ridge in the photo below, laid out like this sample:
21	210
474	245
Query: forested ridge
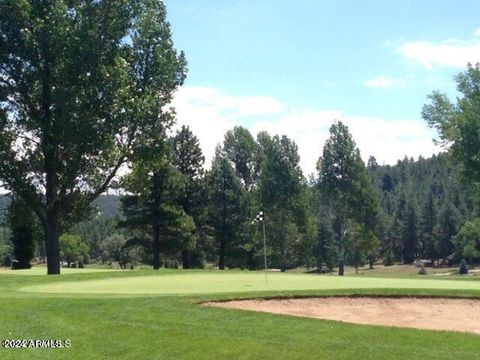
424	205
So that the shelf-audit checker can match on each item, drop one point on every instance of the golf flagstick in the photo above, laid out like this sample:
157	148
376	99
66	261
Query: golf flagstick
265	250
261	217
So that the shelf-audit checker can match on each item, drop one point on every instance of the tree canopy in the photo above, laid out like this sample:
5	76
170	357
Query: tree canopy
82	85
458	124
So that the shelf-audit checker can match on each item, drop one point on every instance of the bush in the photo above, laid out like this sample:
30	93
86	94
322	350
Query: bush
73	249
7	260
422	270
198	259
171	264
463	268
17	265
388	259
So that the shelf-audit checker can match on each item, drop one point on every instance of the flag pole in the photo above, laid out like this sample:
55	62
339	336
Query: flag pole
265	249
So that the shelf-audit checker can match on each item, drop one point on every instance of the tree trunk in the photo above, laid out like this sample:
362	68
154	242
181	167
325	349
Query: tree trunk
371	261
341	262
156	226
156	248
52	228
341	255
221	255
185	259
49	149
342	235
223	240
53	248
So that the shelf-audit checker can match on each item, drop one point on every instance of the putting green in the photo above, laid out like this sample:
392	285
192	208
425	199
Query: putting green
204	283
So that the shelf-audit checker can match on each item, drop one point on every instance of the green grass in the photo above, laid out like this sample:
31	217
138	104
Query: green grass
42	270
136	315
239	282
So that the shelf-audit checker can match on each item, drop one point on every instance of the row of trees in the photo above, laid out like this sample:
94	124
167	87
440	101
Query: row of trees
176	210
206	215
178	213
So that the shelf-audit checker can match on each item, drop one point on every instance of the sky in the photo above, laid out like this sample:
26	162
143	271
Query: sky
294	67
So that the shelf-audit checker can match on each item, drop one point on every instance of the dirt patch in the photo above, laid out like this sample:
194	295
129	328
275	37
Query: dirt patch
420	313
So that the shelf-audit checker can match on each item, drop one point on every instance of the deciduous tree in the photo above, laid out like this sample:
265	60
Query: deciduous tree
73	249
82	83
458	124
243	151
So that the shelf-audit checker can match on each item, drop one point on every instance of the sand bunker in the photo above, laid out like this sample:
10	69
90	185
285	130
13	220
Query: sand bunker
420	313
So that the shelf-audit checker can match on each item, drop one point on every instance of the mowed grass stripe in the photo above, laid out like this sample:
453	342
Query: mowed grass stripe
209	283
42	271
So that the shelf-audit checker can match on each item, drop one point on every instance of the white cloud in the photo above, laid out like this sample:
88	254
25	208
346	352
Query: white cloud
387	140
450	52
210	113
383	82
207	97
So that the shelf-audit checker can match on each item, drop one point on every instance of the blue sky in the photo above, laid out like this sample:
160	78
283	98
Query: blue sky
295	66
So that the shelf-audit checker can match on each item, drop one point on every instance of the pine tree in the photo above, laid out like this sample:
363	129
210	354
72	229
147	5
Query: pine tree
325	249
445	229
387	183
24	231
410	233
463	268
280	191
152	206
345	185
189	161
426	227
226	212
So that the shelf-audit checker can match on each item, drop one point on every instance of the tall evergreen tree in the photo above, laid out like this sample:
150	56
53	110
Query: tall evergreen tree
225	199
24	231
152	205
399	227
280	192
188	159
325	250
410	246
345	184
446	229
387	183
428	219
